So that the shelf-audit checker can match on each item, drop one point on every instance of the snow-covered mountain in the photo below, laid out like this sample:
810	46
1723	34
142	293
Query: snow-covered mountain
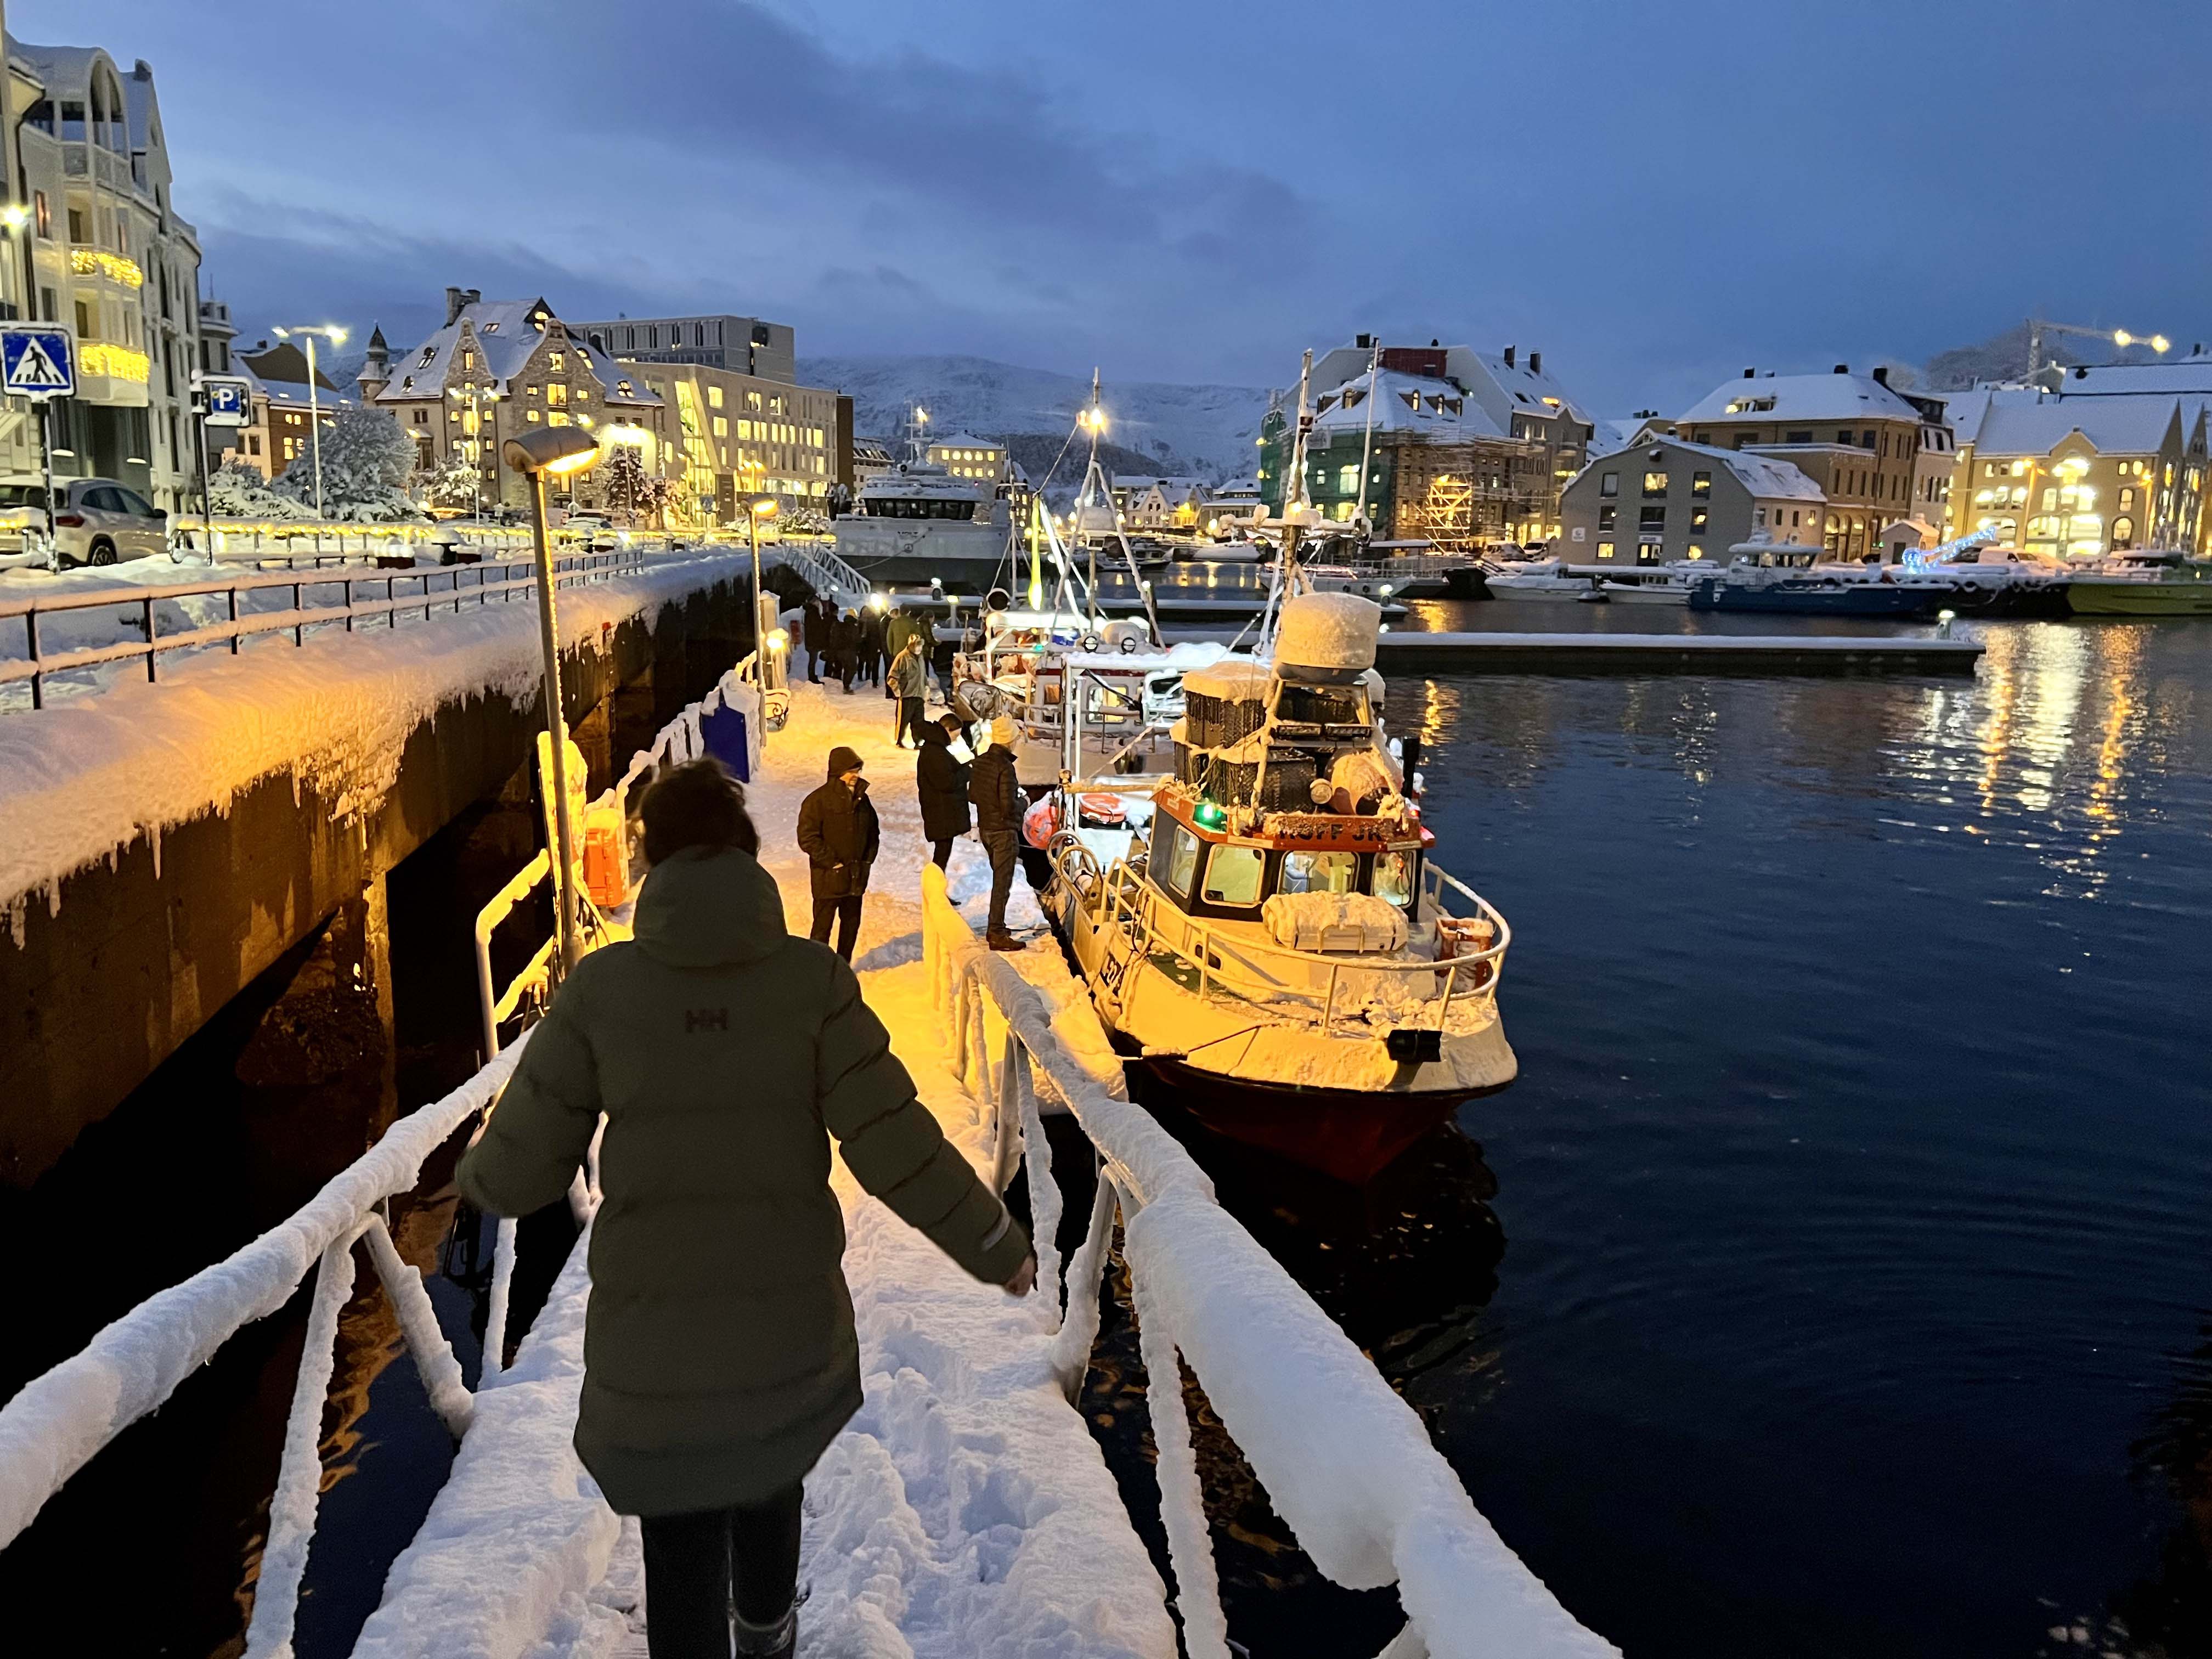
1207	431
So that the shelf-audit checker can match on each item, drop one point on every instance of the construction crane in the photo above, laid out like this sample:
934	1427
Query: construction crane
2037	327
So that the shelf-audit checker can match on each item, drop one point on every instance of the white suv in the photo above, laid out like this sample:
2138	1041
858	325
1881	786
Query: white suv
100	521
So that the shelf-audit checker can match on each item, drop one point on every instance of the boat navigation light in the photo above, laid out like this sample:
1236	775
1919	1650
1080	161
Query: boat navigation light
1386	590
1210	814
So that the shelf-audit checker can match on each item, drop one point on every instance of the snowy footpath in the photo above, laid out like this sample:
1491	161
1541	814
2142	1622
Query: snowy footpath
965	1511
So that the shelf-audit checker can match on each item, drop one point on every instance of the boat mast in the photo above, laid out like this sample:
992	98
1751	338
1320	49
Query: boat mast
1296	509
1094	477
1367	443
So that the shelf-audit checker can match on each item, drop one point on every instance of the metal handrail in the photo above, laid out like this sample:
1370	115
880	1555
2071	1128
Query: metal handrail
462	583
1373	1501
1215	949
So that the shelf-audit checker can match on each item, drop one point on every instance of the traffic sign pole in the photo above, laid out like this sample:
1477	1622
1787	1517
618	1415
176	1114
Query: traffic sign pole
46	453
38	361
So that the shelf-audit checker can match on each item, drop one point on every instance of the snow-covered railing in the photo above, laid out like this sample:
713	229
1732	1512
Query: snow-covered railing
54	1426
329	538
351	601
825	573
1347	1463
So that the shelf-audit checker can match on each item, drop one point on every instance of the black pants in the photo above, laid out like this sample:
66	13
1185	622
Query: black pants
843	670
940	850
846	912
814	667
909	719
999	844
692	1562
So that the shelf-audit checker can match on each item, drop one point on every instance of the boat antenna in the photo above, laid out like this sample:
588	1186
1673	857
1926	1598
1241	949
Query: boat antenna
1094	480
1367	443
1295	510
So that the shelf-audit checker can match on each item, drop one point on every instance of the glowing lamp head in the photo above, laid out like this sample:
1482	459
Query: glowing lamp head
765	508
1209	815
14	215
877	602
557	451
778	639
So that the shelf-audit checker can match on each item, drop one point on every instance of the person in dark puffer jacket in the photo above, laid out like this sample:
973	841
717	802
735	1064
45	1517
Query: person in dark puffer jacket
941	782
719	1355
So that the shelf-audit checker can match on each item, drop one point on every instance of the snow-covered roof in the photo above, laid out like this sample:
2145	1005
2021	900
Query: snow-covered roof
1803	398
965	440
1614	433
1533	393
1410	405
2113	426
506	332
1767	478
2184	375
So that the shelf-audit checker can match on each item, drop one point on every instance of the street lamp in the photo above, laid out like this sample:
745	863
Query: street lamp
337	336
561	450
761	507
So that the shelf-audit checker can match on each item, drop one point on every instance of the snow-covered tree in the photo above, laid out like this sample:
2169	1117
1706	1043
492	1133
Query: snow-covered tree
235	490
367	459
453	482
622	480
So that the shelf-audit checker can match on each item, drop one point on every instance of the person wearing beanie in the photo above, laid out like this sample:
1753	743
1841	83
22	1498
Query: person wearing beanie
839	834
997	799
719	1356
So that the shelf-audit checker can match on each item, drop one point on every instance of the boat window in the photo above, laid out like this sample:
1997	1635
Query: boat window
1321	872
1178	856
1232	875
1393	878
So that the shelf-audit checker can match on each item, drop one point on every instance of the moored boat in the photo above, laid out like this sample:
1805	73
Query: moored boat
2152	583
1264	931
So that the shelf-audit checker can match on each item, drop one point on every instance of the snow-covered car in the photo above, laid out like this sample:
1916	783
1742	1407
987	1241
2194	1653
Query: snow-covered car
100	521
587	524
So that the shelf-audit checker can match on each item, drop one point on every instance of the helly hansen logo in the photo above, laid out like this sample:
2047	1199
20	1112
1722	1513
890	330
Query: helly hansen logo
705	1019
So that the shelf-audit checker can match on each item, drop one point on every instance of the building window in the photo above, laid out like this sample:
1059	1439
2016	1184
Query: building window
2127	500
2123	530
1604	549
713	397
1695	552
42	216
1655	484
557	362
1698	519
1606	516
1652	518
1701	485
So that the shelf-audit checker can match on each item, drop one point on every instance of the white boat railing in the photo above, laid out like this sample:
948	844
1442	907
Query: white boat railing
1258	970
1371	1500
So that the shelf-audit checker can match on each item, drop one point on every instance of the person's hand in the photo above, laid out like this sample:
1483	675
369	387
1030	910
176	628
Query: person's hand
1024	1278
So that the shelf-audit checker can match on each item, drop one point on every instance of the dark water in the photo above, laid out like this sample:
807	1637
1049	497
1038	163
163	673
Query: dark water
1855	1285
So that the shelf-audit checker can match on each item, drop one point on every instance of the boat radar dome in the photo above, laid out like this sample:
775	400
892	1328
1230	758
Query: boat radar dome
1327	639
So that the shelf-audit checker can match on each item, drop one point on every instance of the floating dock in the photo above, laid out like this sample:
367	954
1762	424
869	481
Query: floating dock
1672	653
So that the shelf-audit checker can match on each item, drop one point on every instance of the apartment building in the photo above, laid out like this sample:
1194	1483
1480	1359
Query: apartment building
500	367
2079	476
1667	499
964	455
1861	441
99	247
734	437
743	345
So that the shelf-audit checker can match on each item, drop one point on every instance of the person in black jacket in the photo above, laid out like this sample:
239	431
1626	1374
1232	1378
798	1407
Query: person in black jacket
998	801
871	647
839	834
942	783
847	634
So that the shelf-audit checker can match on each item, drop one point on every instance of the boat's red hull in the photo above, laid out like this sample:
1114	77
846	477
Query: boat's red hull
1348	1134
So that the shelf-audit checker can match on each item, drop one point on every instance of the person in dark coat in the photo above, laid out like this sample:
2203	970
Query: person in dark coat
942	782
719	1357
846	631
839	834
998	800
871	647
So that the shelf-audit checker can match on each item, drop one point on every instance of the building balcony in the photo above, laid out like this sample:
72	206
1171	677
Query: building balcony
113	374
98	262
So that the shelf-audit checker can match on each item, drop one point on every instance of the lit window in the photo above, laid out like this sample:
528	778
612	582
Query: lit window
1393	878
713	397
557	362
1232	875
1321	872
532	416
721	426
1604	549
1701	483
1655	484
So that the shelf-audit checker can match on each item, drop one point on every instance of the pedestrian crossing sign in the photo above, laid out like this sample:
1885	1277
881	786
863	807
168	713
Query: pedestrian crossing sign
36	360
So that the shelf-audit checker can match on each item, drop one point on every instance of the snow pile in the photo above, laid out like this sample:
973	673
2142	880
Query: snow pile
965	1510
58	1420
1332	632
1334	921
80	782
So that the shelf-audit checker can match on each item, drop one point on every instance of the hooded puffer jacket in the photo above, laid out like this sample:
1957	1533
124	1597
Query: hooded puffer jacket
719	1353
839	832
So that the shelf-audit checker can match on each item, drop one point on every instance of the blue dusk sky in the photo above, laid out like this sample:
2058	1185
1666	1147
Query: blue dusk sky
1655	196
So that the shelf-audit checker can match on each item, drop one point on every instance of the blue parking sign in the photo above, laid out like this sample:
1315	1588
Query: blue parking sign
226	400
36	361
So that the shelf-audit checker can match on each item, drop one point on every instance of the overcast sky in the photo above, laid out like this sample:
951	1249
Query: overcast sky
1656	196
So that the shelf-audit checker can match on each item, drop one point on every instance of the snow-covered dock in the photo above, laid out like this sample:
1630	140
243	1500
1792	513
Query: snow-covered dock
1674	653
966	1509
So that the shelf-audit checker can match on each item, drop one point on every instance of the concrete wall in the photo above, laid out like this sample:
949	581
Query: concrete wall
137	959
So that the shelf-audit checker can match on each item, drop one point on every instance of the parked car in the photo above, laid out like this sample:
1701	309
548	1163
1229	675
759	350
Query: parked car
100	521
